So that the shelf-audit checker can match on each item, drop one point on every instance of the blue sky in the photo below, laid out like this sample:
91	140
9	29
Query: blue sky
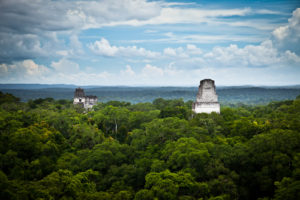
150	43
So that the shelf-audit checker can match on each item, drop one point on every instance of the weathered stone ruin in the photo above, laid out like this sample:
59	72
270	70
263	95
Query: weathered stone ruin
207	98
86	102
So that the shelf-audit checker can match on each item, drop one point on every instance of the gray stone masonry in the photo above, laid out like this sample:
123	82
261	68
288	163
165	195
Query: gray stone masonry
207	98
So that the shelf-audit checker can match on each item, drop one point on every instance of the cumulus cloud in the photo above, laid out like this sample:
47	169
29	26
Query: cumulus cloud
29	72
281	50
104	48
291	57
30	27
262	55
62	71
24	71
128	71
71	15
181	52
171	75
293	27
170	52
20	47
152	71
75	47
287	37
192	49
176	52
94	14
281	32
251	55
65	66
51	29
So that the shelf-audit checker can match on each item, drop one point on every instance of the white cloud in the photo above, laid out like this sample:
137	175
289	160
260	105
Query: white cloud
291	57
168	4
72	15
287	37
34	69
266	11
152	71
63	53
150	31
263	55
31	28
171	74
128	71
192	49
24	71
76	15
281	32
170	52
174	15
75	46
50	29
202	39
176	52
136	51
63	71
104	48
16	47
293	26
65	66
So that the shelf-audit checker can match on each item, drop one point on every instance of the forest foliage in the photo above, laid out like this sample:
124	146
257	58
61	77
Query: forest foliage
50	149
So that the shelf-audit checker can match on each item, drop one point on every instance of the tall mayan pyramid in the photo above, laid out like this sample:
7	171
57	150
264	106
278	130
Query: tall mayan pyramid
207	98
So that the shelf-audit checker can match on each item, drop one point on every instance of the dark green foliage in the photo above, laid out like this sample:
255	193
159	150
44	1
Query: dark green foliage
50	149
8	98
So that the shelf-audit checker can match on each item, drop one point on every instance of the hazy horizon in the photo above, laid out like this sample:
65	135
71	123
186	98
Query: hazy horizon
287	85
177	86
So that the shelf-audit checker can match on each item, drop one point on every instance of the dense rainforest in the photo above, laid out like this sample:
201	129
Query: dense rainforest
50	149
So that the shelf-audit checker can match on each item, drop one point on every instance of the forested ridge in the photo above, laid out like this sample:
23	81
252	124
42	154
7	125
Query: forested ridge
228	96
50	149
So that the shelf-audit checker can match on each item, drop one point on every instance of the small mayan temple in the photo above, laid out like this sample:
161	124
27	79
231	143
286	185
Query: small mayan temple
86	102
207	98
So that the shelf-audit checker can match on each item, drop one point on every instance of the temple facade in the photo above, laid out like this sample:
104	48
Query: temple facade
86	102
207	98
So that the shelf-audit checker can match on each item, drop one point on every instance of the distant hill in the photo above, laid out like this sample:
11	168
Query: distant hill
227	95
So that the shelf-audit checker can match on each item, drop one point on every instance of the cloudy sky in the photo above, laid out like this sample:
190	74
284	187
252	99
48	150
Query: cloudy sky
150	43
